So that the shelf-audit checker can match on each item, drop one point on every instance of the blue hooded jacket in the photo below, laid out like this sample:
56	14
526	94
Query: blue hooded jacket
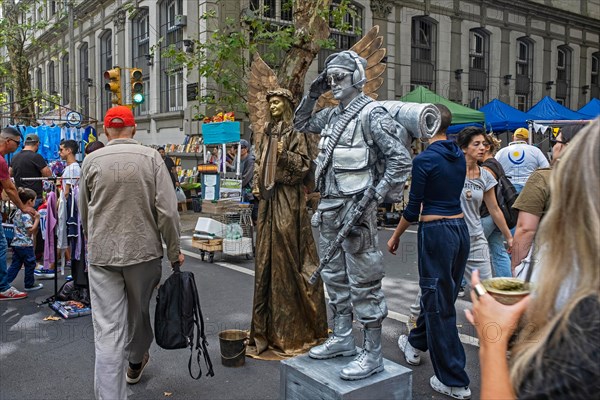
438	177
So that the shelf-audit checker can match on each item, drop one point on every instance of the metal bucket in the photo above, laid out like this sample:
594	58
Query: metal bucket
233	347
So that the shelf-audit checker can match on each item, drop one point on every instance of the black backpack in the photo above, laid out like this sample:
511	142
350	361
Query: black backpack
177	314
506	194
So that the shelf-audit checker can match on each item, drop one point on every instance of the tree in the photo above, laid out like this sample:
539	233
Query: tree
18	28
224	59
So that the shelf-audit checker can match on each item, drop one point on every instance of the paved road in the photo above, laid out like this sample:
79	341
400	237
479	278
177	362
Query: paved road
54	359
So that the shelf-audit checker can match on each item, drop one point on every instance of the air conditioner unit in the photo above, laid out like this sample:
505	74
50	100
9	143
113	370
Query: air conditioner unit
180	20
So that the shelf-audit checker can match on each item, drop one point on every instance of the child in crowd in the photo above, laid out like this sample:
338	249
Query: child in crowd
22	243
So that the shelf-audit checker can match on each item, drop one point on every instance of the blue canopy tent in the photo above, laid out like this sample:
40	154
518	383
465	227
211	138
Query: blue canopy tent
548	109
500	117
591	109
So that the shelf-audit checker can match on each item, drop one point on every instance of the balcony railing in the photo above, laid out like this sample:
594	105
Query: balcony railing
523	85
562	89
478	79
422	71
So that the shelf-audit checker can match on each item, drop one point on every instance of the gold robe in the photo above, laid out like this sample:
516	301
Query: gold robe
289	315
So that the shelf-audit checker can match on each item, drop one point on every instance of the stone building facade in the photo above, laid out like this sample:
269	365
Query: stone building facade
470	51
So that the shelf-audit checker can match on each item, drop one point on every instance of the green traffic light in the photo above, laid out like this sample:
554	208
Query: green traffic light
138	98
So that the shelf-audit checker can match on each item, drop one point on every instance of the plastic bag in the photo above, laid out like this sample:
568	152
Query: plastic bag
180	195
234	232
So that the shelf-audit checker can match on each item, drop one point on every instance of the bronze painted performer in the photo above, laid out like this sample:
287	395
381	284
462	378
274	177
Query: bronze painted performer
289	315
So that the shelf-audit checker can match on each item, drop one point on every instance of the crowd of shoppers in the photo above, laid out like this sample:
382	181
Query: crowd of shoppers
451	180
556	354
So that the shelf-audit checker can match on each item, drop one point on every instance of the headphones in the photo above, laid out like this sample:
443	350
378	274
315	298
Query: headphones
359	76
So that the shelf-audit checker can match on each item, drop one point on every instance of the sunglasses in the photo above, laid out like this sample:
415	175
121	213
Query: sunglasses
18	142
336	78
558	141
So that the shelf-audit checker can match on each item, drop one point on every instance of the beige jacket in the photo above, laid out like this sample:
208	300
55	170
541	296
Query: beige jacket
126	202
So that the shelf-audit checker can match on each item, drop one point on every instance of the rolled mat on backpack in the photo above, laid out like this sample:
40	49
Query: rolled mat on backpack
420	120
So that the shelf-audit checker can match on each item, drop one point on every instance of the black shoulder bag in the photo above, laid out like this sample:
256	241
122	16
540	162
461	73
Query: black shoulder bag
177	313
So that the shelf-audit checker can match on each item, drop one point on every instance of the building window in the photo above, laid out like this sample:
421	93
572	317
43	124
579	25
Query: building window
423	52
563	75
524	70
347	39
84	80
287	10
106	63
141	49
479	44
522	102
39	86
65	79
268	8
595	81
171	72
51	79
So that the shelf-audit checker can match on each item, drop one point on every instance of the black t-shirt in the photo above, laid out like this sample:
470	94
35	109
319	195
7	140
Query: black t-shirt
28	164
569	367
170	164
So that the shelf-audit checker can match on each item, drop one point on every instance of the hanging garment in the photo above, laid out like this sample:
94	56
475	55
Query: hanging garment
61	230
49	254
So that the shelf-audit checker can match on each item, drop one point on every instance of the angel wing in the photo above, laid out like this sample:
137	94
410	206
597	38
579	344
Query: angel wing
369	48
262	78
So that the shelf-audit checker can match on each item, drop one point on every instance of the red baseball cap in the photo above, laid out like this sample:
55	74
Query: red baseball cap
117	113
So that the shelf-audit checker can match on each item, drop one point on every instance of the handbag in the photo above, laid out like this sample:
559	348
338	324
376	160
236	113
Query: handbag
178	318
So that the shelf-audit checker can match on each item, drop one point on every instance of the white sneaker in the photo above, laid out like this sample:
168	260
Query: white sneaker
12	294
455	392
34	287
411	355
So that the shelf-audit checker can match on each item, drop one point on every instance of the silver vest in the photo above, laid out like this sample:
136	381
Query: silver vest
353	160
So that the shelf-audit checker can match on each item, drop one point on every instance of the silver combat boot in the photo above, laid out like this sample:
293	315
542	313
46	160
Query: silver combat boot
340	343
369	361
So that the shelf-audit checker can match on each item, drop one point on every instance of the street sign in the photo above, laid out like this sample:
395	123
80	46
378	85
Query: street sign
74	118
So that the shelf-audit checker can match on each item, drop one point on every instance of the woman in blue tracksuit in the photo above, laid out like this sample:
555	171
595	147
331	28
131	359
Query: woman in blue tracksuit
438	176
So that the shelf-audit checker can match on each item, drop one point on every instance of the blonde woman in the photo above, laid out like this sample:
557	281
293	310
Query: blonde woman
557	354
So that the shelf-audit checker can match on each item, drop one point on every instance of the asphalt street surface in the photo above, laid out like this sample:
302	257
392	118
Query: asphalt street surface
55	359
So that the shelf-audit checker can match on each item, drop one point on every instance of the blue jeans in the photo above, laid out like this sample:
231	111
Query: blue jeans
498	254
518	188
22	255
3	247
443	251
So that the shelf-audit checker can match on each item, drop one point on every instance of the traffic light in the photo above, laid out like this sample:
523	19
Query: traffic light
137	86
114	84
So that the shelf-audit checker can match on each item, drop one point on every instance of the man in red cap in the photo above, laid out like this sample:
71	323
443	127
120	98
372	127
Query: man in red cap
126	204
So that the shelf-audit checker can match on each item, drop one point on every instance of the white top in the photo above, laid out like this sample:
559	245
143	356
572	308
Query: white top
519	160
71	171
471	199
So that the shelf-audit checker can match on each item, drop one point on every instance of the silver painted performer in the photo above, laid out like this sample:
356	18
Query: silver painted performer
360	150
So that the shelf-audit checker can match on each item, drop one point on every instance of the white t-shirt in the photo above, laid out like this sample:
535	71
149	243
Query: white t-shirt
472	197
519	160
71	171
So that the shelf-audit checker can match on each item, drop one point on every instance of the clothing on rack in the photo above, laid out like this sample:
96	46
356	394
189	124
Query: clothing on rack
51	222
